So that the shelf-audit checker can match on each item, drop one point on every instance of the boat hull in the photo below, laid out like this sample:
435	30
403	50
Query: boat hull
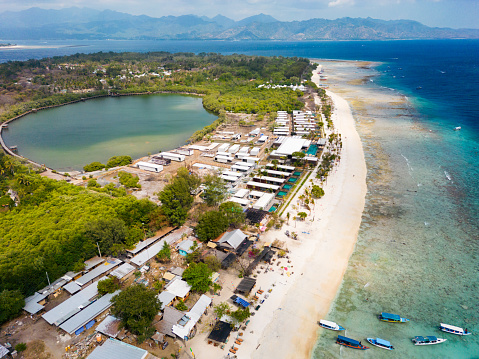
439	341
338	329
362	347
373	342
452	332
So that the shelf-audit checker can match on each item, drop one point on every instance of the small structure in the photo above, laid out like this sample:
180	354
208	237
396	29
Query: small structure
184	248
34	303
102	269
245	285
171	317
93	262
220	332
264	201
172	156
147	166
166	298
178	271
122	271
113	348
179	288
3	351
183	330
110	326
232	240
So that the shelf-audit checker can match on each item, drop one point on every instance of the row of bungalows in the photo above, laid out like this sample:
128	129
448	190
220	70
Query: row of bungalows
283	124
232	177
222	158
80	311
233	149
269	180
283	168
36	302
101	270
172	156
243	167
149	251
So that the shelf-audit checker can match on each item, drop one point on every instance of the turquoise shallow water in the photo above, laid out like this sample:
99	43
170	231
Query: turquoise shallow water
66	138
418	243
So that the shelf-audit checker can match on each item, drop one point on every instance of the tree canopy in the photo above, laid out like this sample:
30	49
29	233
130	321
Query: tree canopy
136	307
210	225
177	196
47	232
234	213
215	190
11	304
108	285
198	275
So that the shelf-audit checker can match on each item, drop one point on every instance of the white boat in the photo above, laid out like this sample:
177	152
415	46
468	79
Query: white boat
454	330
429	340
330	325
380	343
457	128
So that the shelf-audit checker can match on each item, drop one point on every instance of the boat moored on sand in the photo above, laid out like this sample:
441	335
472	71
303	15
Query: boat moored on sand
454	330
392	318
351	343
380	343
330	325
429	340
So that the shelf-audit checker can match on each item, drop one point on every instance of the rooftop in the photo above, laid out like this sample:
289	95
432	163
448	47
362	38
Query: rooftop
113	348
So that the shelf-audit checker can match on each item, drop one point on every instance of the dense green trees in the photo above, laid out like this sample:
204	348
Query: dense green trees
234	213
47	232
210	225
177	197
94	166
198	275
214	191
164	255
11	304
317	191
136	306
128	180
108	285
116	161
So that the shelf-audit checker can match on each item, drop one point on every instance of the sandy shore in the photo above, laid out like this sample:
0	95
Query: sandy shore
286	324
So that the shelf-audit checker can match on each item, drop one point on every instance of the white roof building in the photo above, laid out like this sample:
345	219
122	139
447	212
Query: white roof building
194	314
232	239
165	298
178	287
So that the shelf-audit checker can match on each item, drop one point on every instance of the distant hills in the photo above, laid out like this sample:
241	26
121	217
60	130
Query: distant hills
84	23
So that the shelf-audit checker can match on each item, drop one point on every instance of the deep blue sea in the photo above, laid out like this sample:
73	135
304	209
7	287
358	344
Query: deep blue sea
418	247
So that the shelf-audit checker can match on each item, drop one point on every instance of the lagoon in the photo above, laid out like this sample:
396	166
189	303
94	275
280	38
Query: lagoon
67	138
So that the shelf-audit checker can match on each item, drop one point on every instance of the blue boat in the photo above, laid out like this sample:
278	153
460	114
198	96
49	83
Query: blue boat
392	318
380	343
351	343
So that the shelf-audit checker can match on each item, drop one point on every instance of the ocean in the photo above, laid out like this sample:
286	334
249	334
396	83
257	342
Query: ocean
418	246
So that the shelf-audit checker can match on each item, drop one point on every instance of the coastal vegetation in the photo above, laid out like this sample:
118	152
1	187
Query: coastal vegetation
55	226
228	83
136	307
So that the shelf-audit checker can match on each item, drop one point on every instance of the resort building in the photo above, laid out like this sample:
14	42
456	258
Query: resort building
147	166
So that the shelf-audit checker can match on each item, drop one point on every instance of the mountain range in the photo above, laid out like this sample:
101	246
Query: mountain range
85	23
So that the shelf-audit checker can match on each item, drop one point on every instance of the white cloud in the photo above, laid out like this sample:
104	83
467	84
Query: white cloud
340	3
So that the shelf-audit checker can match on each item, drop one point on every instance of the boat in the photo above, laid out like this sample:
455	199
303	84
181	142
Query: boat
330	325
457	128
454	330
419	88
380	343
351	343
392	318
429	340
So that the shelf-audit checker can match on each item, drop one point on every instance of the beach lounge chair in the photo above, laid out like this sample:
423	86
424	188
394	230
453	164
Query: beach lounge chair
237	342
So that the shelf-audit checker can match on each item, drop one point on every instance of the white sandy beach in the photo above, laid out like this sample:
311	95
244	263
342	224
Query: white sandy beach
286	324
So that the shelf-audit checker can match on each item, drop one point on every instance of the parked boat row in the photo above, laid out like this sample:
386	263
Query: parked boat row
384	344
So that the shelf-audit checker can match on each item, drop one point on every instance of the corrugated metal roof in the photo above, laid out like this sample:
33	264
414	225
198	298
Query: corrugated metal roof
114	349
31	303
92	262
165	298
109	326
178	287
98	271
89	313
72	288
194	314
122	271
233	238
71	306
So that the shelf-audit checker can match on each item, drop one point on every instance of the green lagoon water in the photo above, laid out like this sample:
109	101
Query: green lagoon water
66	138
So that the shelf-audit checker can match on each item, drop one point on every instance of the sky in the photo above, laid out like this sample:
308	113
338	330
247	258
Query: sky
436	13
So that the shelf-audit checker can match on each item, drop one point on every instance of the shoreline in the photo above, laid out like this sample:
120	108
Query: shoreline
286	324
